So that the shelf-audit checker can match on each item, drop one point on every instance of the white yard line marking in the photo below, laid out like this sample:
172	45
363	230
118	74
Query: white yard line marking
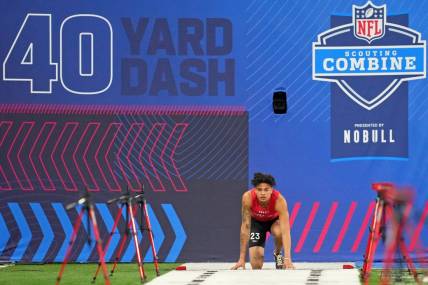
314	277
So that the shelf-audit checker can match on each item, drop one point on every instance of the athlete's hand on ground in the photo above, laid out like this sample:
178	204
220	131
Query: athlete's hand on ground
240	263
288	264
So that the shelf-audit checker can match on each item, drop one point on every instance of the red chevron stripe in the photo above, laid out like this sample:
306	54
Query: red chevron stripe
326	227
85	156
119	156
294	213
307	227
363	227
40	158
152	150
182	187
41	155
18	154
9	126
344	228
106	162
85	162
160	127
419	227
128	157
74	126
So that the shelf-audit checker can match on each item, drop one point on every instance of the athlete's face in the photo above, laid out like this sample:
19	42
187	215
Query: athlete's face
263	192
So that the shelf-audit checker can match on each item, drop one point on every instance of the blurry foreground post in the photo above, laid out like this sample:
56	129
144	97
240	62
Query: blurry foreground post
393	209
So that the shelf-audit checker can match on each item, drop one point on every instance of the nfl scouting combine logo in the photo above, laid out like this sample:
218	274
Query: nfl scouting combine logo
369	21
369	58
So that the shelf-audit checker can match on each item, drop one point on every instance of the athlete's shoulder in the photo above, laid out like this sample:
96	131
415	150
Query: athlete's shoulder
247	194
277	192
246	197
280	199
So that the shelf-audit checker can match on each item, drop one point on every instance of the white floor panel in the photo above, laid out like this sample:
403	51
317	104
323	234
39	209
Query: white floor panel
176	278
257	277
348	276
219	274
267	265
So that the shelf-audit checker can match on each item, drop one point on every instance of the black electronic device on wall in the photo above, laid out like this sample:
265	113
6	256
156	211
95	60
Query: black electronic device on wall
279	102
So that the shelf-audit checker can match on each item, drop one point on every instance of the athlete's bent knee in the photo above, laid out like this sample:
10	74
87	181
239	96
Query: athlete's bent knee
257	262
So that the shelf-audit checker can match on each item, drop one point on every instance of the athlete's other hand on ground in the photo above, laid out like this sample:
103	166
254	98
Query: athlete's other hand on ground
240	263
288	264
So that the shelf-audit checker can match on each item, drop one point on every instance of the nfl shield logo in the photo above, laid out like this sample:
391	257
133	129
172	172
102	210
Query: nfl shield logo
369	21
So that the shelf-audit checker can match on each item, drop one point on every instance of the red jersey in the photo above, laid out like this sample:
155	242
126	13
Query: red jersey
260	213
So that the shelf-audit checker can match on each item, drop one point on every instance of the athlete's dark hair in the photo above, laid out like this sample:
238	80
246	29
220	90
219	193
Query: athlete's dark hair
263	178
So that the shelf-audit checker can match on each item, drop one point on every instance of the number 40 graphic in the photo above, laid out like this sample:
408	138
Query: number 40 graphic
85	54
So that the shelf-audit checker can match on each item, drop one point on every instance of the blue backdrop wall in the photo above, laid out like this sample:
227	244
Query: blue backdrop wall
177	97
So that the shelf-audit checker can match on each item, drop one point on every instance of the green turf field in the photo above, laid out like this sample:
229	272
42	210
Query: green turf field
76	274
398	276
125	274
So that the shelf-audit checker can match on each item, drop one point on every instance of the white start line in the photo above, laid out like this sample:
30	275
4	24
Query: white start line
5	265
220	274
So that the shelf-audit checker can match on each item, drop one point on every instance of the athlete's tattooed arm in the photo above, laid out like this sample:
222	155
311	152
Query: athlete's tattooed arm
245	231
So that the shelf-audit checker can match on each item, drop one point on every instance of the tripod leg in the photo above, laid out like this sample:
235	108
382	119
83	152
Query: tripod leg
152	244
410	265
116	221
70	246
373	239
124	239
402	245
99	244
391	245
119	253
421	253
137	247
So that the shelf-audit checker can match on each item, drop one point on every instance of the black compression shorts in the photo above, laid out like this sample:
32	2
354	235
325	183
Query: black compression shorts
258	232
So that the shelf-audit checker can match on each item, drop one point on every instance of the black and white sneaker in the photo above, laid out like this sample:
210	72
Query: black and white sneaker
278	260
